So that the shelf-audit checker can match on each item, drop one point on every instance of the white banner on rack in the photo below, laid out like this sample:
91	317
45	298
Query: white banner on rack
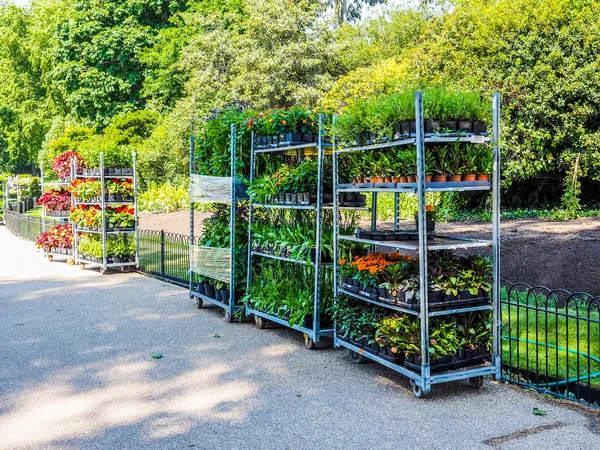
211	189
211	262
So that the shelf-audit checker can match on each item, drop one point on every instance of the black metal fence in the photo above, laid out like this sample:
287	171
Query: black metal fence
165	255
551	341
23	225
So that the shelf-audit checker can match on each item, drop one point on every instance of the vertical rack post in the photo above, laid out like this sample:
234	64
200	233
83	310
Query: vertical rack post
336	212
135	211
396	211
192	144
318	236
103	207
232	226
497	308
250	211
422	228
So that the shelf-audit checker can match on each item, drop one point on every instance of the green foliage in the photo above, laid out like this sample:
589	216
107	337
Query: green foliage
164	198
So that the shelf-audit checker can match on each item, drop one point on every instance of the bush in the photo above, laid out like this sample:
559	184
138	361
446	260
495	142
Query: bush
163	198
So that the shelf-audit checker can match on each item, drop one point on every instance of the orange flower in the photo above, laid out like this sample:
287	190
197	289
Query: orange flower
429	208
283	122
342	261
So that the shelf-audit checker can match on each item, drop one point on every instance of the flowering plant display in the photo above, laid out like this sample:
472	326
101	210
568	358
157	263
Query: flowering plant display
62	164
90	216
86	189
55	200
120	217
119	187
61	236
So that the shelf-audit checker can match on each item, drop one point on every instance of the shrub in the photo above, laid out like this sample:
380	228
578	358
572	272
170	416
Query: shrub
164	198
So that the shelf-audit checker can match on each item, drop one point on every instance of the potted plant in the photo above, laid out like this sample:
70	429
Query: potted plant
470	160
455	164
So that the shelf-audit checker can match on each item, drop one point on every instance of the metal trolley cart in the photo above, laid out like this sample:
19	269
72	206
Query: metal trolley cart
102	174
314	268
218	264
421	377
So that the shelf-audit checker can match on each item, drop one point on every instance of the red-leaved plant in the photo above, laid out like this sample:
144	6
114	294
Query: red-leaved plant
61	236
56	200
62	164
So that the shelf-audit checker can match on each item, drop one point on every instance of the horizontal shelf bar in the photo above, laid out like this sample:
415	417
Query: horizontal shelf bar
85	261
413	312
463	373
439	243
447	312
473	139
128	230
105	176
378	303
275	206
396	367
122	202
69	255
213	301
285	323
281	258
287	148
458	186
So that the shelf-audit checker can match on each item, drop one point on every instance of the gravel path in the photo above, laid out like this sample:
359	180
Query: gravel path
77	373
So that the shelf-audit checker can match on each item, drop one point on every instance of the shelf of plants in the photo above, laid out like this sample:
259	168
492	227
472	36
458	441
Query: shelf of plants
104	214
290	254
427	312
218	254
56	202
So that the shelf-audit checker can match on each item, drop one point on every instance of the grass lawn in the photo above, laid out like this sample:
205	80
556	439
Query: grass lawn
561	330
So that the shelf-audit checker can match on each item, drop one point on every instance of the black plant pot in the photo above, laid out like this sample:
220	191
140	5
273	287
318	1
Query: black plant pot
383	292
110	171
412	126
435	296
449	125
479	127
430	227
288	198
225	294
405	127
210	290
432	126
308	138
465	295
410	298
200	287
294	199
304	198
465	126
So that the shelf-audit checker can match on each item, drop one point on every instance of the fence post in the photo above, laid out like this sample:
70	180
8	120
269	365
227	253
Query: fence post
162	253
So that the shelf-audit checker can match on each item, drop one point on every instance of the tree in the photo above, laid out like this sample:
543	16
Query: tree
98	71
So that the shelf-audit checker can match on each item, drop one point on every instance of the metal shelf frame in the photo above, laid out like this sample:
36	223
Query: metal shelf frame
105	265
63	220
424	380
231	308
316	332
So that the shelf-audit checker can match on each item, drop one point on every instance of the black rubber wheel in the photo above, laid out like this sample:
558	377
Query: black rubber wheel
308	342
102	272
260	322
416	390
198	302
355	357
476	383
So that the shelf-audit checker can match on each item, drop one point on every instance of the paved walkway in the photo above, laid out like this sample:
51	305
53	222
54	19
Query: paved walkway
76	373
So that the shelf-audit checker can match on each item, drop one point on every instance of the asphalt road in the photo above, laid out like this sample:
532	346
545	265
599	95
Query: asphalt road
77	372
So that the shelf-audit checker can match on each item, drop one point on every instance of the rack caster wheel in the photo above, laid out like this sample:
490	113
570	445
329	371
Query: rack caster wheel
199	302
308	342
417	390
82	266
70	261
50	258
476	383
102	272
228	318
355	357
260	322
